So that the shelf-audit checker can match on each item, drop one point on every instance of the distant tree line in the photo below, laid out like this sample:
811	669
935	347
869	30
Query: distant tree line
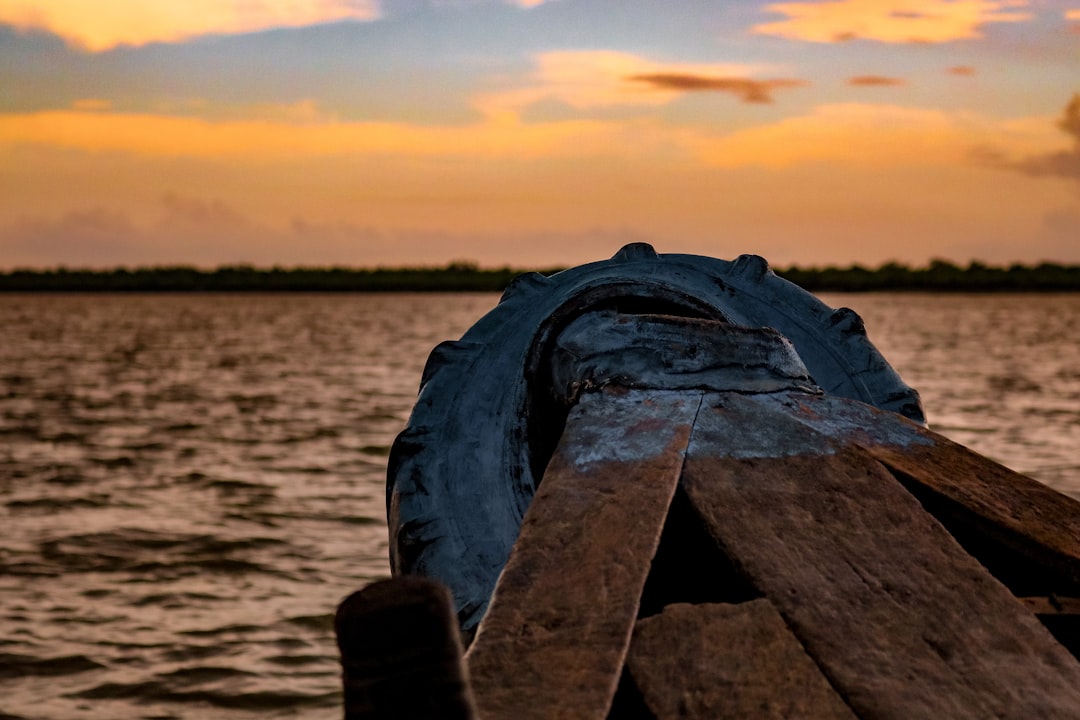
455	277
939	275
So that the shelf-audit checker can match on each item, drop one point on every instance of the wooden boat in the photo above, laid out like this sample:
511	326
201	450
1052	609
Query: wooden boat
678	487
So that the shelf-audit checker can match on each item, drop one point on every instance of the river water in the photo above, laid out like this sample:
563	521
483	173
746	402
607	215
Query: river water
189	484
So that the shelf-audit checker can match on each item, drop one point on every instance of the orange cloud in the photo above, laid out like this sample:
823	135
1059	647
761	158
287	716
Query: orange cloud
91	104
601	78
270	139
890	21
871	135
875	81
1061	163
277	205
746	89
962	70
103	25
854	134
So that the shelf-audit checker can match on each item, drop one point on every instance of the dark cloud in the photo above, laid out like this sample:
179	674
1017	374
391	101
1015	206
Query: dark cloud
188	230
746	89
1070	120
528	248
89	236
962	70
875	81
1061	223
183	212
1064	163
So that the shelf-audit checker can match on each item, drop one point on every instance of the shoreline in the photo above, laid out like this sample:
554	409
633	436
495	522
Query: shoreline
939	276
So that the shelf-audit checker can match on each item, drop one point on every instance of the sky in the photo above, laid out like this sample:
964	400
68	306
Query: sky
537	133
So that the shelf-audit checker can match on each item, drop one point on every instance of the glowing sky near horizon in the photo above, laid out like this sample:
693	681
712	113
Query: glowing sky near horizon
537	133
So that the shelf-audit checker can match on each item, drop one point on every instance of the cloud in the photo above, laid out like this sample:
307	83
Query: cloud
209	232
295	136
860	134
301	112
80	237
91	105
101	26
538	247
187	229
587	79
1061	223
875	81
1062	163
191	213
868	135
746	89
961	70
889	21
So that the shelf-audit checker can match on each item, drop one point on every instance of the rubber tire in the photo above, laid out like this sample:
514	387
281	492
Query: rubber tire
464	470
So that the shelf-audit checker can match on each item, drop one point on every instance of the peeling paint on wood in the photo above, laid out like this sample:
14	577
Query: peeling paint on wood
672	353
845	421
623	426
555	636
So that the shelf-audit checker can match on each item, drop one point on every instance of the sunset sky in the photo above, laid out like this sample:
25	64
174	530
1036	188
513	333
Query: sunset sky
537	132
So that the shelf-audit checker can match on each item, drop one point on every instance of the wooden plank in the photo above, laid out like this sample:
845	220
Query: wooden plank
1027	533
401	653
728	662
554	640
1061	616
903	622
1052	605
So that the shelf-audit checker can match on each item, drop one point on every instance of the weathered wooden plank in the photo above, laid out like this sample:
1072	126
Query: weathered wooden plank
903	622
400	653
728	662
1052	605
1027	533
1061	616
554	639
672	353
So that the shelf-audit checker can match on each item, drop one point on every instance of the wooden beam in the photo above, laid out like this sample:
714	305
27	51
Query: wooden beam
903	622
1027	533
728	662
554	639
1061	616
400	653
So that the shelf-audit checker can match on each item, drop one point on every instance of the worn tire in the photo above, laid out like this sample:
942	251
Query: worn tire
464	470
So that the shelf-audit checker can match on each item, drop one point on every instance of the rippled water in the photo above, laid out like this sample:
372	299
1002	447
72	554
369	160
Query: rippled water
189	484
997	373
